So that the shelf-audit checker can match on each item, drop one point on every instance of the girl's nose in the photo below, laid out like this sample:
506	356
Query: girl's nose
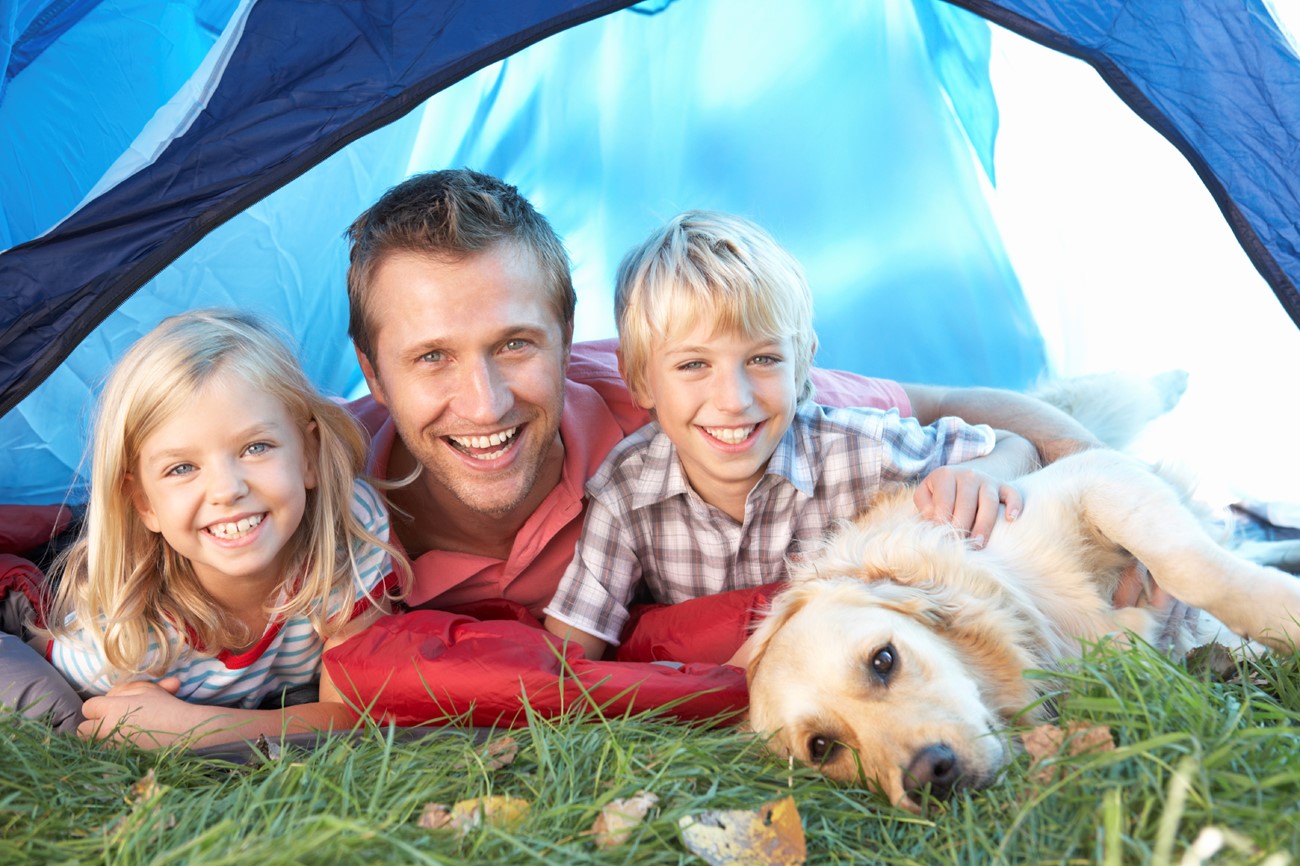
226	483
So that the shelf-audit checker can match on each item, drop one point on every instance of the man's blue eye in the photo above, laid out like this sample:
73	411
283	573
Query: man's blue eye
431	357
515	345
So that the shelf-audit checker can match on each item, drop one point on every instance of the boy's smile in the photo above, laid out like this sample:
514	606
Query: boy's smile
725	400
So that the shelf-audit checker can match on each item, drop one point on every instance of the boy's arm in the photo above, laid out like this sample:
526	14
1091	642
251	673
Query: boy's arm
1053	433
592	647
969	495
597	584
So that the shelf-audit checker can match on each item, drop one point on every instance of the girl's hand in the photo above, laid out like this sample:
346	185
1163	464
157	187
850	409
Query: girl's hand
146	711
967	499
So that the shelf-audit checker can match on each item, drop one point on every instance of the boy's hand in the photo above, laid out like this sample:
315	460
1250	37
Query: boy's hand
967	499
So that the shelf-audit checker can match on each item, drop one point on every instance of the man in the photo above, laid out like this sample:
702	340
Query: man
461	313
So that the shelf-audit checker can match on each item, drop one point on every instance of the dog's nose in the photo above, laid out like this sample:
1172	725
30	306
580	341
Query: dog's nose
935	771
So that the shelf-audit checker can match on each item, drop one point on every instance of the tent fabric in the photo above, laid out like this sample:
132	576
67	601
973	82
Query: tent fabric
293	83
606	164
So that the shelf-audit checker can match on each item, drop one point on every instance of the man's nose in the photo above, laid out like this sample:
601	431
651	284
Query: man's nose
483	392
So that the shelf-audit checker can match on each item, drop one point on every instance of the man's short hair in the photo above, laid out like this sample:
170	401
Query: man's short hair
709	266
449	215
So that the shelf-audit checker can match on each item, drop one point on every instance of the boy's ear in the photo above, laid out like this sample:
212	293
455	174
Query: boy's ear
372	378
140	502
645	401
310	453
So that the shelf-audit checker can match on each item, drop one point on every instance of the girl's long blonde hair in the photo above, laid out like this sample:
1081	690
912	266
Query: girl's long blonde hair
124	582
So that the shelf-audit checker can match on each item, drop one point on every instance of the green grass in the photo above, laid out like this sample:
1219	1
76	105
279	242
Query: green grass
1190	753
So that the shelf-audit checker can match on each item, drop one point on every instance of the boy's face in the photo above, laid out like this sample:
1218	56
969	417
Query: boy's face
725	400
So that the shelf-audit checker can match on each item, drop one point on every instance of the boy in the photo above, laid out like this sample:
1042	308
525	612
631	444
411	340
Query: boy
740	467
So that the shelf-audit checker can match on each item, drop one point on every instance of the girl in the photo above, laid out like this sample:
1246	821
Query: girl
228	542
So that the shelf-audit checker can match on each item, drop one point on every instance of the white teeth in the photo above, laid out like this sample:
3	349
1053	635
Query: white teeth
236	529
486	442
730	435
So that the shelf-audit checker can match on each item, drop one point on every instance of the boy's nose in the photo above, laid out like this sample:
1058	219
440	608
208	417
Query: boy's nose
483	392
734	392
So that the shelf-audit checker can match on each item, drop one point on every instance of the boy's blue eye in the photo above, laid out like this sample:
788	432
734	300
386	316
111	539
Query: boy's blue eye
691	365
765	360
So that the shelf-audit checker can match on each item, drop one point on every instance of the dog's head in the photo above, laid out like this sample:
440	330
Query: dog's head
904	687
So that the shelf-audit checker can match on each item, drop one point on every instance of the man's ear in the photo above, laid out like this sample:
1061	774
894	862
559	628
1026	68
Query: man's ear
372	378
140	502
645	401
310	453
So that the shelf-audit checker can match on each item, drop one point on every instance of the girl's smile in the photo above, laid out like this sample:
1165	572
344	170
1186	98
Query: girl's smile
224	479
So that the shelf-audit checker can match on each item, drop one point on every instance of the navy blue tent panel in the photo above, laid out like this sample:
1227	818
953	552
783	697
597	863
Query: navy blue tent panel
308	78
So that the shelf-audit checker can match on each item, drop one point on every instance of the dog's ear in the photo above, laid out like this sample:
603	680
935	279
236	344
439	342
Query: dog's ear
996	647
786	604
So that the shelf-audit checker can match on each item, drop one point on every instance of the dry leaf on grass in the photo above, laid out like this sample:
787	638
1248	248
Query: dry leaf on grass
772	835
465	815
144	797
615	823
1046	741
494	755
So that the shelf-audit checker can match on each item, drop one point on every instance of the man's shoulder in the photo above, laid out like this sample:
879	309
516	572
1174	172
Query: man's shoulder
595	365
369	412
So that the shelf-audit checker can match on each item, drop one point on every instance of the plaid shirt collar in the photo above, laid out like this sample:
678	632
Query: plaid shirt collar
794	461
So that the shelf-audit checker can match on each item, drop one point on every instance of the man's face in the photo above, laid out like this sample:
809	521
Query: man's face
469	359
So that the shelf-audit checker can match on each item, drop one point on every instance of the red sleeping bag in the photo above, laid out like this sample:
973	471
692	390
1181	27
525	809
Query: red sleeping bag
480	664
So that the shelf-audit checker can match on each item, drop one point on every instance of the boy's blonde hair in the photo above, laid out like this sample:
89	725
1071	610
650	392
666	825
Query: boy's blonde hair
124	582
710	266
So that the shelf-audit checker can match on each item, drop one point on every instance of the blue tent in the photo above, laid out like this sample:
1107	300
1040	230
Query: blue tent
212	151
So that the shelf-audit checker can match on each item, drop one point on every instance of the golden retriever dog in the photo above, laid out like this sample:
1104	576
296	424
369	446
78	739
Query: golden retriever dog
896	653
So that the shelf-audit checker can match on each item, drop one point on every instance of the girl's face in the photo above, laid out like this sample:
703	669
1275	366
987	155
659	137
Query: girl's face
225	481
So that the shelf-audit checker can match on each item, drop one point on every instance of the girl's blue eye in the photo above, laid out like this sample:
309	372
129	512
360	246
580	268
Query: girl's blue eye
181	469
258	448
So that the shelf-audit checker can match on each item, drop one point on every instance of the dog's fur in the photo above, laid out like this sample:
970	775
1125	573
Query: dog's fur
896	654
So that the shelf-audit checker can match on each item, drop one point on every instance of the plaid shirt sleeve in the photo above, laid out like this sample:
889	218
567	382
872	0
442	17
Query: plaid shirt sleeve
598	584
913	451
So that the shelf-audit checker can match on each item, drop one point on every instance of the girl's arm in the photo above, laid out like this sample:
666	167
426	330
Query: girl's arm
151	716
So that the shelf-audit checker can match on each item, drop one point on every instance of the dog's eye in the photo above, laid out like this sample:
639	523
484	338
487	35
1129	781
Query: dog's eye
821	748
882	663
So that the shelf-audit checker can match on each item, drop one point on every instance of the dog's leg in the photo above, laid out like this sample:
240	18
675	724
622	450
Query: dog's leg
1123	502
